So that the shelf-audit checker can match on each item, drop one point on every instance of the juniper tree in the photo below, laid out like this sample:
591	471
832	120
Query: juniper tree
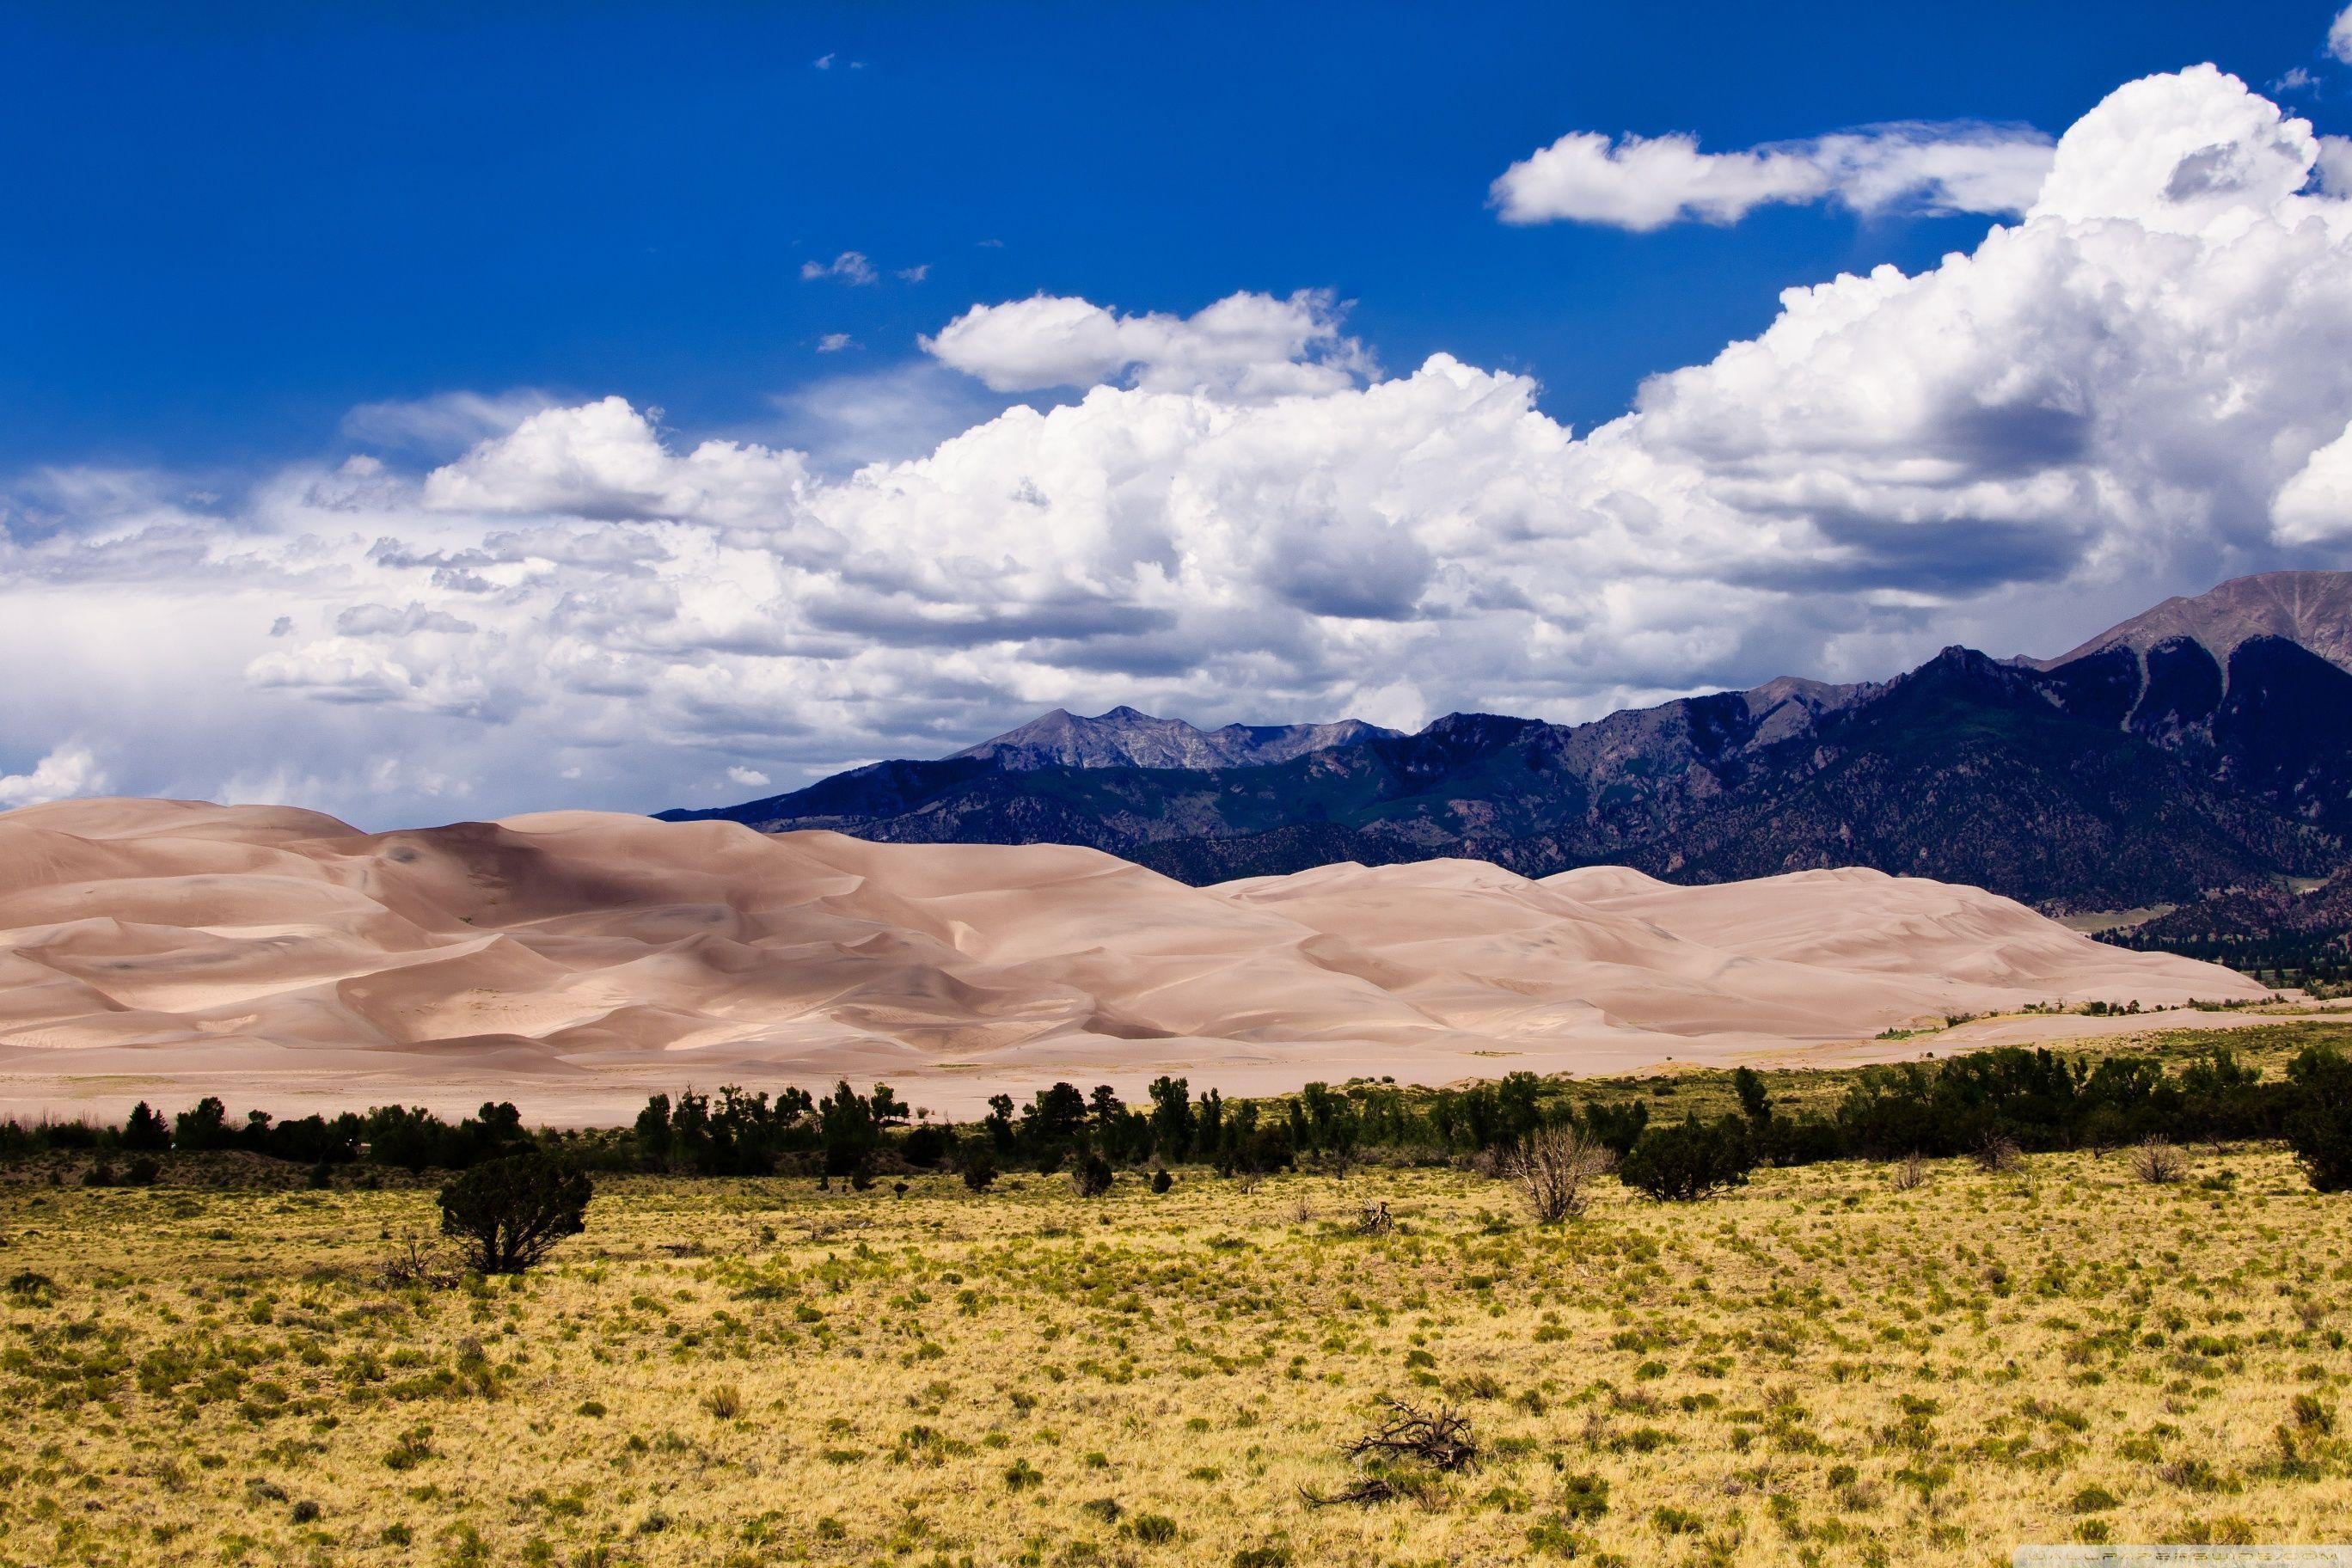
513	1211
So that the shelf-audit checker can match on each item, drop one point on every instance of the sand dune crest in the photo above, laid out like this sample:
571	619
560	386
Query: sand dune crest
591	955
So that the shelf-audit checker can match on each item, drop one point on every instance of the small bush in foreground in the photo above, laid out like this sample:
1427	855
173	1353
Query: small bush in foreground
1997	1154
2159	1164
1551	1165
513	1210
35	1288
1091	1177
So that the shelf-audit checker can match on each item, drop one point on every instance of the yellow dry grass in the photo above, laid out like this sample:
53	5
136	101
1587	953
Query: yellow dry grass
1817	1368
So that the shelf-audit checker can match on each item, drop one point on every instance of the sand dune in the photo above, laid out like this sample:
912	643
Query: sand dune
574	961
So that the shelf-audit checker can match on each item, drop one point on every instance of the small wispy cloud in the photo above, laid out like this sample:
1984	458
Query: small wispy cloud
445	423
850	267
916	273
824	62
1646	182
833	342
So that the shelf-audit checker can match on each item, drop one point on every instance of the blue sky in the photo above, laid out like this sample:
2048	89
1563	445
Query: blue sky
423	410
234	223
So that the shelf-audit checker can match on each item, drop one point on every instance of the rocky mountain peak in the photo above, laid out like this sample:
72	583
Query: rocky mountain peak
1126	737
2312	609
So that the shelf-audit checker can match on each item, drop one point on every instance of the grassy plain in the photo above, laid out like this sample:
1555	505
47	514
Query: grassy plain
1819	1367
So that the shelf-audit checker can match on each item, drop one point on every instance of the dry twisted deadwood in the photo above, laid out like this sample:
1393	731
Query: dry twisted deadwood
1402	1452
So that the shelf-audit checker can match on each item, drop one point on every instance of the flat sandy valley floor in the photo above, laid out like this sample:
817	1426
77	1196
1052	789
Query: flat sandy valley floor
1819	1367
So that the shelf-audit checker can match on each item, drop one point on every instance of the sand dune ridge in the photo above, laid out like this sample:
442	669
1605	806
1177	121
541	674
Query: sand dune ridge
179	941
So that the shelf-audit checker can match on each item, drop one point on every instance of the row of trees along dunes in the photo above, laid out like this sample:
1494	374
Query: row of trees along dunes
2015	1098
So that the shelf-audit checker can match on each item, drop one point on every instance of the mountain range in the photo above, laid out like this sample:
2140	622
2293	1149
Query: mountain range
2203	746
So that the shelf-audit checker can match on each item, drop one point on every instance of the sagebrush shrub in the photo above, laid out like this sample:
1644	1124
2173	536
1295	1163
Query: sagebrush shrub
2159	1164
1152	1528
1091	1177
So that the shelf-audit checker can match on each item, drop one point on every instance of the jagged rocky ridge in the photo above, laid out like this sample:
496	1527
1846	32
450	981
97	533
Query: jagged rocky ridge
1125	738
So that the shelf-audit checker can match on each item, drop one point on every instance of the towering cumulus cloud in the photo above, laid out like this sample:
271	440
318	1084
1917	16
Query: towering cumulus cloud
2140	386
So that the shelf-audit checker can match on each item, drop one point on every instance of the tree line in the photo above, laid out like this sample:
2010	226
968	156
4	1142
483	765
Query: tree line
387	1135
2031	1099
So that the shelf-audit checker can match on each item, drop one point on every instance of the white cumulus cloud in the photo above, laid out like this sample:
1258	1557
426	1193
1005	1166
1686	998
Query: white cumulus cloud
1646	182
2315	506
1244	344
2335	165
70	770
606	459
2339	36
